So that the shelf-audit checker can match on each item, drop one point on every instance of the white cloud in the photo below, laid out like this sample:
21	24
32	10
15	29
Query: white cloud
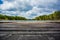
6	5
27	8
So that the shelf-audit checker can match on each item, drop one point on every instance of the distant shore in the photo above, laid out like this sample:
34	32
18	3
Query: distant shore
22	21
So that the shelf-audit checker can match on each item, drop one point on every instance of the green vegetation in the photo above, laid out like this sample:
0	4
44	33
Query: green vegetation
53	16
5	17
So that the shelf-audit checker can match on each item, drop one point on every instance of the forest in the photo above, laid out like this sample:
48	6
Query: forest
52	16
5	17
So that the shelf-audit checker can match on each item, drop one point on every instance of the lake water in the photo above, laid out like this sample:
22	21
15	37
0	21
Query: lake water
29	20
29	30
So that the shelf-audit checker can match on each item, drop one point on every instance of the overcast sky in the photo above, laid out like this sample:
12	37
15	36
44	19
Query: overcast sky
28	8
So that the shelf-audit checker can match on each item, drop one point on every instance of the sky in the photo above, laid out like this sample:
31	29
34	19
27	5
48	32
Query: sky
28	8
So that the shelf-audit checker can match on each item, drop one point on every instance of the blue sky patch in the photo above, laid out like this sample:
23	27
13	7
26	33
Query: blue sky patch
1	2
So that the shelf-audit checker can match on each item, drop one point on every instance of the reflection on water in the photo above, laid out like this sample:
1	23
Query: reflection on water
29	31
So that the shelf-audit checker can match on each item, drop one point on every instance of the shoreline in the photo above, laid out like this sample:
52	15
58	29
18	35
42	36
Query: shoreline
30	21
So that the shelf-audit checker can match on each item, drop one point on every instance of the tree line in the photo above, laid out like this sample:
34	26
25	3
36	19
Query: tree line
53	16
5	17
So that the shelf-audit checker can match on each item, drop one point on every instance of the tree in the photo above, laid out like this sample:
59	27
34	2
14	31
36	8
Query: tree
5	17
53	16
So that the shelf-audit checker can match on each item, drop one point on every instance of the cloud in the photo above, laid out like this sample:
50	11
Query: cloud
29	8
